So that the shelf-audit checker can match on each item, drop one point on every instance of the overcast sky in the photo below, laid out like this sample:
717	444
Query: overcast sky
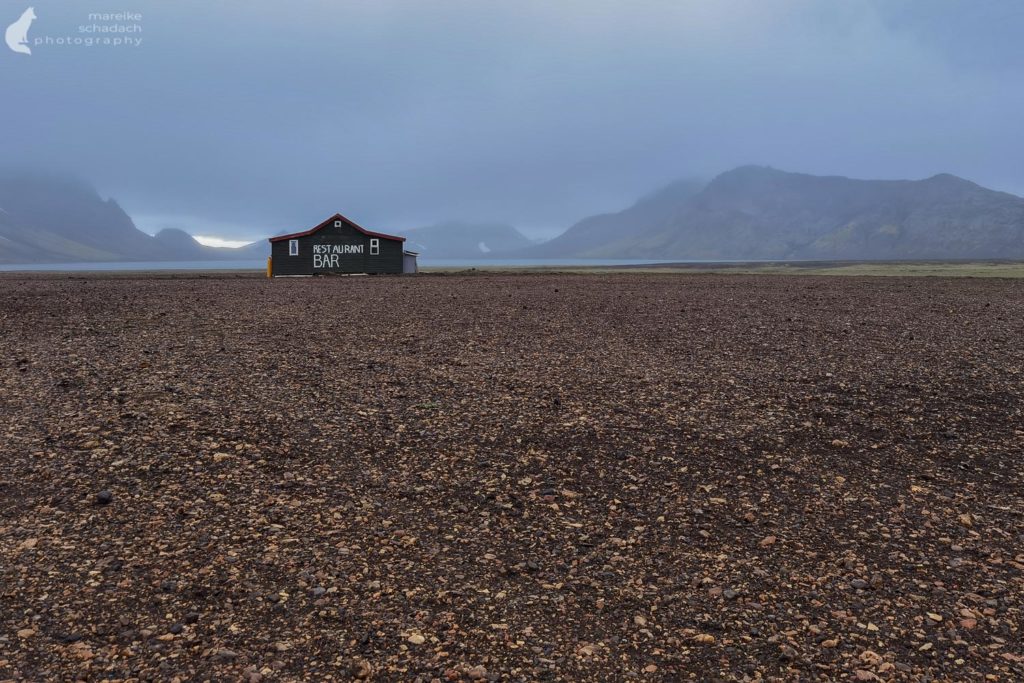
243	118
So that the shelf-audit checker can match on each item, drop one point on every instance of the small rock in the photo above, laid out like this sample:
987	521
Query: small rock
830	643
767	541
859	584
104	497
177	628
416	639
362	669
477	672
729	594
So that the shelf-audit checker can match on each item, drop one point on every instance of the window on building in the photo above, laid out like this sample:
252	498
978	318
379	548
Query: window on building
337	224
374	247
293	247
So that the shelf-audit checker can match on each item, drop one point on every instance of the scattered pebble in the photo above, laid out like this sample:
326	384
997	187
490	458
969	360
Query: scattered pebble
452	476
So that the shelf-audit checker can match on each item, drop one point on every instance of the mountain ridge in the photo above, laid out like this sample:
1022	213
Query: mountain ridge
747	213
51	218
758	212
655	208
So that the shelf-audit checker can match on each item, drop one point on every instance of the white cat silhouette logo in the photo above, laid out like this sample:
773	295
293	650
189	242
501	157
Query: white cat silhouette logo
17	33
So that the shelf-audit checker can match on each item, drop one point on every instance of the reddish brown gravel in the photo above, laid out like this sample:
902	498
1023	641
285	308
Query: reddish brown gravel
511	477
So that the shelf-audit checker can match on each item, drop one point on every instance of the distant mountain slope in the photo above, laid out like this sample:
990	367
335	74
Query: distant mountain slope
54	218
183	247
19	245
762	213
180	243
61	220
748	213
599	235
456	239
260	249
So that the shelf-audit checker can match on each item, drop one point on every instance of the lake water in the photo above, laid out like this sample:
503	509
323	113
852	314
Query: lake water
136	266
534	263
262	264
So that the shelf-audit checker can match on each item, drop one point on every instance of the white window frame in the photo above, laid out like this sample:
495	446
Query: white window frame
374	247
337	224
293	247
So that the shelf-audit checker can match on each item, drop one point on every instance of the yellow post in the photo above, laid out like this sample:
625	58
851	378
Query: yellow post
270	267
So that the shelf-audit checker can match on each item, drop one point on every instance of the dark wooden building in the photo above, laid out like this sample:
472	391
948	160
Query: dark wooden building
338	245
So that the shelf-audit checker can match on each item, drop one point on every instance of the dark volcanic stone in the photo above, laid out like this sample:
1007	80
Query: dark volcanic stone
700	416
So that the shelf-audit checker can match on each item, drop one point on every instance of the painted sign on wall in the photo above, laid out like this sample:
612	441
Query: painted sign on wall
328	255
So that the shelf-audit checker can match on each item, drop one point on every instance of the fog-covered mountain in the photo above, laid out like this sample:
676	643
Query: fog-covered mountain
610	233
458	240
762	213
750	212
186	247
63	220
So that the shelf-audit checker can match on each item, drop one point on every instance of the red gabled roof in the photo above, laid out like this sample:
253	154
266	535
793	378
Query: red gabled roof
329	221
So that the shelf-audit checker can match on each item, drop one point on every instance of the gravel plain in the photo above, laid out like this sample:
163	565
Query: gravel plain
511	477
